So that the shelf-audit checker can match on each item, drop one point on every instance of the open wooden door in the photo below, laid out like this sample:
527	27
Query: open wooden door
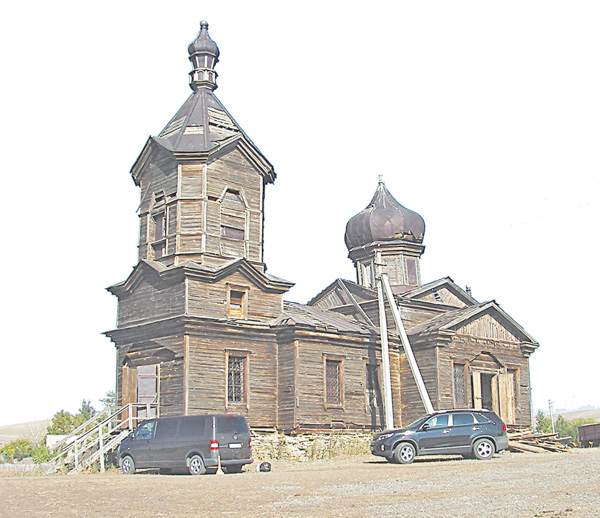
128	390
477	399
506	393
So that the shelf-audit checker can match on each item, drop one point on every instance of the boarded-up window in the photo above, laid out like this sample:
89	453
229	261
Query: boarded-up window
233	201
411	271
333	388
236	378
160	233
460	389
159	226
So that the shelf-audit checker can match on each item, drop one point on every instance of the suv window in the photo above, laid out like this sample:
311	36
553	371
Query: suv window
462	419
438	421
481	419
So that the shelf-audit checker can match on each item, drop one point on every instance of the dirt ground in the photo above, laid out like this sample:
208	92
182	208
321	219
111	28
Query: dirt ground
515	485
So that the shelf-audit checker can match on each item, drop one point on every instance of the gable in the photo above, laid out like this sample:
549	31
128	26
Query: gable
342	293
442	296
443	291
487	327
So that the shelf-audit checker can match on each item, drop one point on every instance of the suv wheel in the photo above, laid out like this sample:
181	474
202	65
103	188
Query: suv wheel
404	453
484	449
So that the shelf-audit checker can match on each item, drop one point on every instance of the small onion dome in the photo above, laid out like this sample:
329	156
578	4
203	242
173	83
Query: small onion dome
384	219
203	44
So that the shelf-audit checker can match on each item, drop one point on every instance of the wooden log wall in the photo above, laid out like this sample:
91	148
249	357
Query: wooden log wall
209	346
412	405
151	301
312	408
211	299
168	353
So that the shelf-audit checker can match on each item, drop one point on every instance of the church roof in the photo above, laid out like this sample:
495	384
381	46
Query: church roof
196	270
202	127
295	314
384	219
201	124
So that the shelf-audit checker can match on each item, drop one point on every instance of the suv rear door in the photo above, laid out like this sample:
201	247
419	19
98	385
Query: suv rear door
463	429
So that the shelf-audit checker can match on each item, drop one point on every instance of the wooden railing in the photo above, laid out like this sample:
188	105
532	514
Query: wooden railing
97	437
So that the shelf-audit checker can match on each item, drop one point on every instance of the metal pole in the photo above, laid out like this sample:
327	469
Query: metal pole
385	354
407	348
551	416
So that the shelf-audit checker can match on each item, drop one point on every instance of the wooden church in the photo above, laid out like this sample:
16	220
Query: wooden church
203	327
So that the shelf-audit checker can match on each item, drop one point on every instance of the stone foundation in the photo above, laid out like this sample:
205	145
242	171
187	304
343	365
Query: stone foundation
309	446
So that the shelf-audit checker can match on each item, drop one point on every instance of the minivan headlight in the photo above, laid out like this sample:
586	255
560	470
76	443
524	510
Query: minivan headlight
384	436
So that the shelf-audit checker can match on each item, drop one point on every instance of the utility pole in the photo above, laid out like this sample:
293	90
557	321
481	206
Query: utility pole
550	405
385	353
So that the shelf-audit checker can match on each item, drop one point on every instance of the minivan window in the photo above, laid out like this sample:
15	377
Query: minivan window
166	428
192	426
231	424
144	431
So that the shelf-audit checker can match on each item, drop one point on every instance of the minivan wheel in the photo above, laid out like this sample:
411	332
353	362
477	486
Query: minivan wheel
484	449
127	465
404	453
196	465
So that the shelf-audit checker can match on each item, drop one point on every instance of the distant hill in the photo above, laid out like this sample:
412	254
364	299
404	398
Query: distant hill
580	414
34	430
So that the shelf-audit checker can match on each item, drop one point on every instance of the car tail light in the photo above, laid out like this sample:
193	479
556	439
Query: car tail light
214	446
249	444
503	427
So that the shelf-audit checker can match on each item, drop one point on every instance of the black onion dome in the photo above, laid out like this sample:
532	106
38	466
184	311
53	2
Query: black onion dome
384	219
203	44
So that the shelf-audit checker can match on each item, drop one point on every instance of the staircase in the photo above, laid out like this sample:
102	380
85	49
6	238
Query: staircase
97	437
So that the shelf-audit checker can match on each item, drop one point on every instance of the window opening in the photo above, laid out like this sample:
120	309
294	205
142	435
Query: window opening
147	388
232	233
236	367
333	382
236	303
460	391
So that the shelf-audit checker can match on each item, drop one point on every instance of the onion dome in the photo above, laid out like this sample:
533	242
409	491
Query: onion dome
384	219
204	55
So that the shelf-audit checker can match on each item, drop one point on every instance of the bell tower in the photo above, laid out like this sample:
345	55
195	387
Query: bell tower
202	179
397	232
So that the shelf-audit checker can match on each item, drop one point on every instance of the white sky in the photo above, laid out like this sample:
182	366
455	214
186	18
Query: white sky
482	116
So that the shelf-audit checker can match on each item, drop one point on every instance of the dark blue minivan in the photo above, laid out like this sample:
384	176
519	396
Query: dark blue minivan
195	444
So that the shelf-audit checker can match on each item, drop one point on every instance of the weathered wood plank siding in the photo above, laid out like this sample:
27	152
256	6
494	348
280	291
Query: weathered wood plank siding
206	299
412	405
207	378
166	352
287	380
313	410
151	301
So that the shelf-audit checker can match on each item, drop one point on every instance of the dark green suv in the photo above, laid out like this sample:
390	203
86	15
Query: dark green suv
471	433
